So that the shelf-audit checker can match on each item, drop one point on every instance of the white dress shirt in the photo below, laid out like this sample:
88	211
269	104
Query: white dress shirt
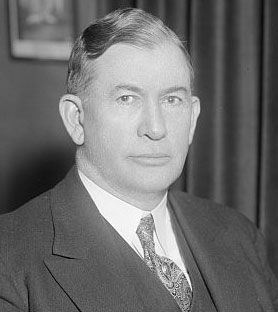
125	219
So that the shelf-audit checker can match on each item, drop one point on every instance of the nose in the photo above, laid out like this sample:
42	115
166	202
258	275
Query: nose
152	124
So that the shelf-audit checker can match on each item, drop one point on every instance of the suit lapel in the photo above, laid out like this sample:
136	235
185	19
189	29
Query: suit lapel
223	269
92	263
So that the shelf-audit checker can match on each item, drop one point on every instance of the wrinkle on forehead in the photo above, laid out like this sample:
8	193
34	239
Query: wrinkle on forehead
120	59
123	56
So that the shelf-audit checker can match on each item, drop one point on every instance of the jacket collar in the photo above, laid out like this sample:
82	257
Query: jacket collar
77	222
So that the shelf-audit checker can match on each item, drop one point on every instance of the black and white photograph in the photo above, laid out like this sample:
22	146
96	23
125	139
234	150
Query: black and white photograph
139	156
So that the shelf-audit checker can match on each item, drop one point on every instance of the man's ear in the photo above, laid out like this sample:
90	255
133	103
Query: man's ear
194	117
71	111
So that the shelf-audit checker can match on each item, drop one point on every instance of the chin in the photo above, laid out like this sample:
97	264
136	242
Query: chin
155	184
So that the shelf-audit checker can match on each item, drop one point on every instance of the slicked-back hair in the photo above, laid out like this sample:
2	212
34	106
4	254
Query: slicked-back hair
129	26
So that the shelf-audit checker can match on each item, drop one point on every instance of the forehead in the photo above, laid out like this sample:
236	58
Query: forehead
161	66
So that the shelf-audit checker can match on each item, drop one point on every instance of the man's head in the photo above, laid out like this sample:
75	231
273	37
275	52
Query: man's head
129	107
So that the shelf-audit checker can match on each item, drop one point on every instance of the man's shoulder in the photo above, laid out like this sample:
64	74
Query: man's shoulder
26	214
32	215
27	229
204	205
210	211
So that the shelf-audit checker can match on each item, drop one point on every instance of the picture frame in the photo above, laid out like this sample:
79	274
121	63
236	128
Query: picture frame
41	29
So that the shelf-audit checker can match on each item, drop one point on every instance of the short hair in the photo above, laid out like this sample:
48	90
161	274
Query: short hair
130	26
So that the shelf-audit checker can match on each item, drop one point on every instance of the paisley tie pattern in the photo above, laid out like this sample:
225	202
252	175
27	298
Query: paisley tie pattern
168	272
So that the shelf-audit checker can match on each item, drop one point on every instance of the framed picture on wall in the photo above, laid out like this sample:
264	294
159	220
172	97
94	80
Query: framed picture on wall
41	29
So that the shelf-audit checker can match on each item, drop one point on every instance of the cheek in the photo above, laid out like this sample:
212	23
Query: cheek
107	137
179	127
178	135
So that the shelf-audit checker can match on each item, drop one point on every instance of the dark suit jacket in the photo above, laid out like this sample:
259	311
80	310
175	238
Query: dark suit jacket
57	253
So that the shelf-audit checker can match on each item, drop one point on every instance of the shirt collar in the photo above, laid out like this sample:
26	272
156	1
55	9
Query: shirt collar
123	216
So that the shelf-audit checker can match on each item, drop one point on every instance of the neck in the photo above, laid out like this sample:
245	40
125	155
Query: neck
146	201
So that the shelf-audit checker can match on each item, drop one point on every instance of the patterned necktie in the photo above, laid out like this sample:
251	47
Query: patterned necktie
169	273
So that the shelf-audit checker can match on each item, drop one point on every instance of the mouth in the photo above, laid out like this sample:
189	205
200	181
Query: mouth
152	159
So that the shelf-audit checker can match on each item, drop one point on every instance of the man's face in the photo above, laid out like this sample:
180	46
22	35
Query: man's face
139	119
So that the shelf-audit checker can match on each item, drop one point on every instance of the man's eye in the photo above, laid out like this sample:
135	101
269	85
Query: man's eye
126	99
173	100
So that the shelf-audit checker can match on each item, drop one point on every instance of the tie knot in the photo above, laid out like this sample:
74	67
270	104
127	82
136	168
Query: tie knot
145	229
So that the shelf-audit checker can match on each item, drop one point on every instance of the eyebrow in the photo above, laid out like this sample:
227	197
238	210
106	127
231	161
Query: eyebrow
129	88
175	89
140	91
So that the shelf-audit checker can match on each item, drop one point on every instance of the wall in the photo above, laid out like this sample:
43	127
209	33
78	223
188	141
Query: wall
35	151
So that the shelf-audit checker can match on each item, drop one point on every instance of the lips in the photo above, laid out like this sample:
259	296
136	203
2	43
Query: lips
151	155
151	159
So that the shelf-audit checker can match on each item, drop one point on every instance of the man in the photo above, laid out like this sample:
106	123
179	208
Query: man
110	236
